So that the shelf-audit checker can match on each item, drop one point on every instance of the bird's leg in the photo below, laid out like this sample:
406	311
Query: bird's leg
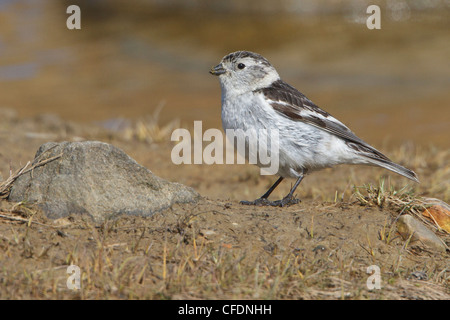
289	199
286	201
263	200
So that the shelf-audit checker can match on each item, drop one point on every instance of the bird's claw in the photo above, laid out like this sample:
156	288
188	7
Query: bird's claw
257	202
285	202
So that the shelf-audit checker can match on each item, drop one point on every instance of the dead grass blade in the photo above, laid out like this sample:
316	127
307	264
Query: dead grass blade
150	130
5	186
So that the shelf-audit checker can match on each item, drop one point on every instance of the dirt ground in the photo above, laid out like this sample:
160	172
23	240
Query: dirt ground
218	249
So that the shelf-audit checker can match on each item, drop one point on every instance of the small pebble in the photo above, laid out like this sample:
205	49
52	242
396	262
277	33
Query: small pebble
419	275
319	248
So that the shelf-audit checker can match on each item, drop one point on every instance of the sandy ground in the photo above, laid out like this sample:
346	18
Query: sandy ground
217	248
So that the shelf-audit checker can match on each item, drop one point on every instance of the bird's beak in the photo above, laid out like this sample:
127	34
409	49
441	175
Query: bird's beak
217	70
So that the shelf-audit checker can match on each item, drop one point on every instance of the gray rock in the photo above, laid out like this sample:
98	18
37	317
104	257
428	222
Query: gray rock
408	225
98	179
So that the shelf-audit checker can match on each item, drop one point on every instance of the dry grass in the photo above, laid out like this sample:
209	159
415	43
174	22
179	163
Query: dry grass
185	254
150	131
403	201
5	186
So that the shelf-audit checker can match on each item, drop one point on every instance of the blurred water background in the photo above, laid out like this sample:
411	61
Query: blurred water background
131	57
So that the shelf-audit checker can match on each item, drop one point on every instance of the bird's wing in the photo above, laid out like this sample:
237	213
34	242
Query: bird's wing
294	105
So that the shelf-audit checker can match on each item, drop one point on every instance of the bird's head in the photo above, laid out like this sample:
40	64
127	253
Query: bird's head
244	71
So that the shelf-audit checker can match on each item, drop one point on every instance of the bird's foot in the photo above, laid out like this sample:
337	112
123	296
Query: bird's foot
285	202
257	202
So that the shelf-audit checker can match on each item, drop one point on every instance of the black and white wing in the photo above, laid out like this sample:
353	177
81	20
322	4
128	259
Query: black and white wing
294	105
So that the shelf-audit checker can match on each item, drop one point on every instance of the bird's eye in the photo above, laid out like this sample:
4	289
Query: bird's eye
241	66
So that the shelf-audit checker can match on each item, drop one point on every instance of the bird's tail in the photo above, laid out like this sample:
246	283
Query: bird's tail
387	164
376	158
